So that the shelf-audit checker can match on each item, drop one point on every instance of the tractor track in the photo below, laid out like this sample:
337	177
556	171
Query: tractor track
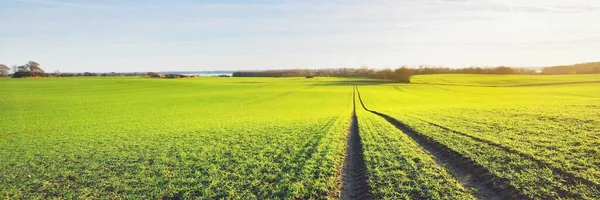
354	178
571	178
281	95
469	173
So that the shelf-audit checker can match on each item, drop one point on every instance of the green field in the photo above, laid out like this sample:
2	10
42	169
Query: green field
519	133
503	80
284	138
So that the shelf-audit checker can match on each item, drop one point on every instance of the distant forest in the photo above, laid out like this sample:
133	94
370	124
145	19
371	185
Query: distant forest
402	74
582	68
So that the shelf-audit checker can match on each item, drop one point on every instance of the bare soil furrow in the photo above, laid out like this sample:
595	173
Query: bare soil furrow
354	179
467	171
568	176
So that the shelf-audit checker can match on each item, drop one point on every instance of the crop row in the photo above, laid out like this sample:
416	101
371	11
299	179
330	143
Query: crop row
516	125
153	138
573	147
398	168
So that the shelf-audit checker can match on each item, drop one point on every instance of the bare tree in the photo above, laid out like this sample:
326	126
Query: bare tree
403	74
22	68
4	70
34	67
31	69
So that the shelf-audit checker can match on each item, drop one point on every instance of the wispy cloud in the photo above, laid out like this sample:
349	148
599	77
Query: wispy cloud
229	34
67	4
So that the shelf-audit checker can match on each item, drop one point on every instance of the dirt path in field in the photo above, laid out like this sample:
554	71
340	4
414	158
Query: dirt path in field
354	179
469	173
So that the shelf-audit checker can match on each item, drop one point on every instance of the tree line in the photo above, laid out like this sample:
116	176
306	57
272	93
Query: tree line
32	69
402	74
582	68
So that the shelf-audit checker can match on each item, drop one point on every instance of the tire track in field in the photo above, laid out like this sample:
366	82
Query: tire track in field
281	95
354	172
469	173
398	88
571	178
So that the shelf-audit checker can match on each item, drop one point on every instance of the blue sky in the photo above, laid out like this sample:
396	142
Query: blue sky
156	35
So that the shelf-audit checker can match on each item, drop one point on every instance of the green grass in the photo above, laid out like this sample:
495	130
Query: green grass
148	138
398	168
502	80
556	124
284	138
